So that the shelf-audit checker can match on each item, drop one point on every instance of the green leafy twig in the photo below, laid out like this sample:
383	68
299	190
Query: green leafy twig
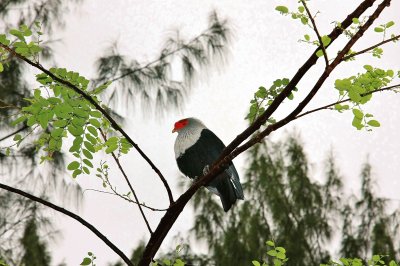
395	38
322	44
93	102
331	105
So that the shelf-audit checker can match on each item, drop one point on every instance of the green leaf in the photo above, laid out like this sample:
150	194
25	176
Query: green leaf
326	40
92	131
87	154
301	9
355	20
319	53
358	113
357	123
96	114
304	20
4	40
368	68
282	9
281	249
94	122
1	67
277	262
307	37
389	24
73	165
374	123
86	170
17	137
18	120
86	261
88	163
256	263
167	262
270	243
89	146
272	253
76	173
390	73
111	148
378	29
17	34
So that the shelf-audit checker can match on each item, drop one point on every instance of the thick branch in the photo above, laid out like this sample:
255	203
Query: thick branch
295	80
87	97
73	216
231	151
316	32
317	85
129	184
395	38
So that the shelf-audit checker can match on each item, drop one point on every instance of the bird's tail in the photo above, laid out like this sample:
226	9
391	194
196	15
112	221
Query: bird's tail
226	190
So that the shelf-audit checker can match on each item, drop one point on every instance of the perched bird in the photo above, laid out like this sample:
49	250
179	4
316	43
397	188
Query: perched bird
196	148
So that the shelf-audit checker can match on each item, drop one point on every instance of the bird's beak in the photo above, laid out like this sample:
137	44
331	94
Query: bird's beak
174	130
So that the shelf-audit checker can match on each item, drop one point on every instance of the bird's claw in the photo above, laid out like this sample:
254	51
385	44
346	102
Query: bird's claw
206	169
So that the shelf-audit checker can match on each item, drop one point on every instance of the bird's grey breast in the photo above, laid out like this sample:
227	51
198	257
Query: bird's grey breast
185	140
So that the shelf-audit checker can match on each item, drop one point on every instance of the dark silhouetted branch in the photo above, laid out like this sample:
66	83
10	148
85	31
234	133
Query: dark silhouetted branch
73	216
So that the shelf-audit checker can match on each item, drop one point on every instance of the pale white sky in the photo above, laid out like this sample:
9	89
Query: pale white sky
265	47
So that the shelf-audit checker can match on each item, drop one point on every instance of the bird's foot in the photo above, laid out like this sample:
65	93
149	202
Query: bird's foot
206	169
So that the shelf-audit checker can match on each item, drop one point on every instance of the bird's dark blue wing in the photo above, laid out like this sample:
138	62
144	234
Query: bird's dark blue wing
204	153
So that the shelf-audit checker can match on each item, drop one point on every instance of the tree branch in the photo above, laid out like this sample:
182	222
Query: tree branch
317	85
129	184
370	48
73	216
232	150
316	32
87	97
336	32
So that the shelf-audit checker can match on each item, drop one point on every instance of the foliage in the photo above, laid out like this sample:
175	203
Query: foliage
152	84
89	260
263	98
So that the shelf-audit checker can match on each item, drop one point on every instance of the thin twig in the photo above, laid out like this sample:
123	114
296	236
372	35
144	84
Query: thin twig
13	133
113	123
316	32
73	216
129	184
370	48
125	198
345	100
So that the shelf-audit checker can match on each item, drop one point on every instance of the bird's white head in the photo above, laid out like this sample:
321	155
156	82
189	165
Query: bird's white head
189	123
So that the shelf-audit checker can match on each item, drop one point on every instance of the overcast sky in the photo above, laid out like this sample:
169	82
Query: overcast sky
265	47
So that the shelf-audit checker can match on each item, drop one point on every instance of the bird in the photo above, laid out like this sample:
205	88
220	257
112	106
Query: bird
196	149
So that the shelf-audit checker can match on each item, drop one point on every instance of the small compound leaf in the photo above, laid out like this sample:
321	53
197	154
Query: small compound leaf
73	165
86	261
